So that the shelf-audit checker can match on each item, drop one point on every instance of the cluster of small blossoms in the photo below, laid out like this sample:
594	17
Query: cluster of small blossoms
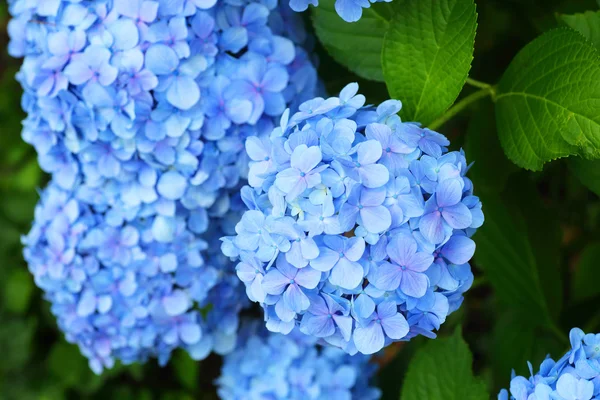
272	366
349	10
359	225
119	293
150	101
576	376
139	110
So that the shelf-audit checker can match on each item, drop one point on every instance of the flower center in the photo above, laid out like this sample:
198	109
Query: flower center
302	174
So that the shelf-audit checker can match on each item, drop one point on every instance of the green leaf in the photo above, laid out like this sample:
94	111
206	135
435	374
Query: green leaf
67	364
18	290
587	274
442	370
356	45
587	23
511	348
518	250
587	171
186	370
548	101
491	169
427	54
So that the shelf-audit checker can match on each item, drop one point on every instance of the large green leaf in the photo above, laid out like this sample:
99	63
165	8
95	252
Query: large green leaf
427	54
511	348
517	247
491	169
355	45
442	370
587	274
548	101
587	171
588	24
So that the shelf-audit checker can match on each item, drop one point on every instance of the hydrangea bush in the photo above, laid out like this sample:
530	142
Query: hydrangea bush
272	366
359	225
139	111
575	376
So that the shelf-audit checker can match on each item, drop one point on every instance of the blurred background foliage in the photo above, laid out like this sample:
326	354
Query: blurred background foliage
542	231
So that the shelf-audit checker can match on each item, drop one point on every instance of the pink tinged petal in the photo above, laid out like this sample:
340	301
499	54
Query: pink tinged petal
395	327
308	277
297	190
304	158
326	260
344	324
283	312
369	152
401	249
346	274
245	272
190	333
312	179
275	79
317	325
370	339
419	262
379	132
147	80
458	216
176	303
459	249
376	219
448	192
78	73
287	179
355	248
387	277
414	284
275	282
432	228
373	175
295	299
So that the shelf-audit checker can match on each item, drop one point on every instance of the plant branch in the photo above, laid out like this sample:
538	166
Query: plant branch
461	105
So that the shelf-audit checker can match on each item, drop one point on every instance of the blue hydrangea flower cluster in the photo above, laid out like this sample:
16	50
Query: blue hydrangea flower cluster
119	293
576	376
139	111
272	366
359	225
349	10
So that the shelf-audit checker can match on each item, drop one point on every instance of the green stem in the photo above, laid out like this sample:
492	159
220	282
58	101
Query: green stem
478	84
461	105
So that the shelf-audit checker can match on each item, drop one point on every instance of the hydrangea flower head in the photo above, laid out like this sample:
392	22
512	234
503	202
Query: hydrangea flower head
139	111
358	229
271	366
120	293
576	376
